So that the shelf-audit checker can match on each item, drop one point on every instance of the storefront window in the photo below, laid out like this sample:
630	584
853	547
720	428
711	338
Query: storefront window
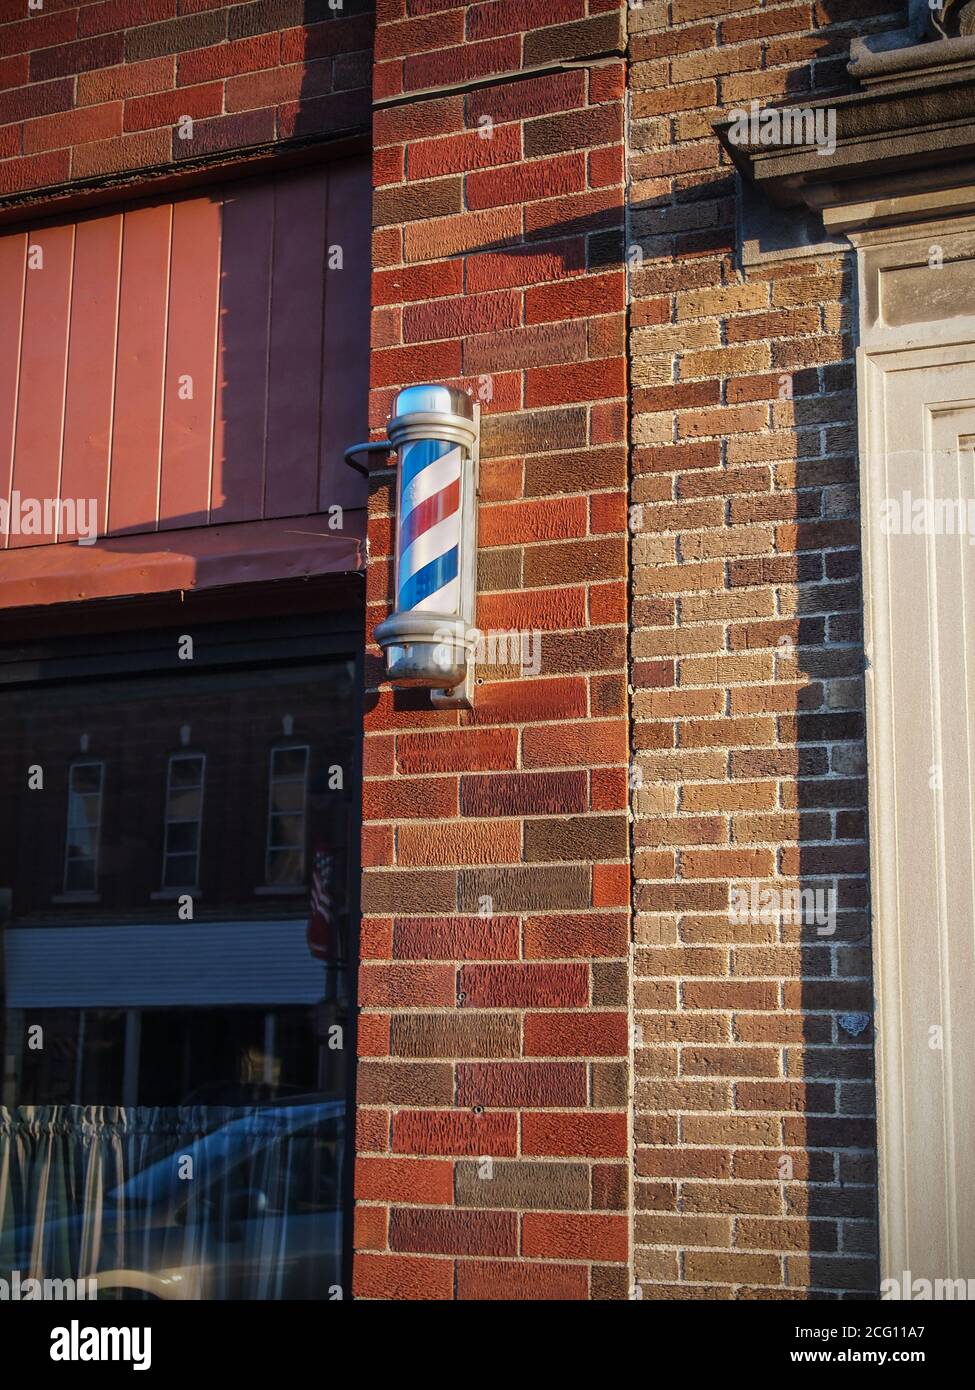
176	1047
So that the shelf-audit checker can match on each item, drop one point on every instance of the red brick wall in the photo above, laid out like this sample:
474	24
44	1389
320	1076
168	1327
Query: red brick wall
96	91
754	1124
498	265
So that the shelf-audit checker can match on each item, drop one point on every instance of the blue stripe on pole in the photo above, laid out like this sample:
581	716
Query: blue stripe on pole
420	455
429	579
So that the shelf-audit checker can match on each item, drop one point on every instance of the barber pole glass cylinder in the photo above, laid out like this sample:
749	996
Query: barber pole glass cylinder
429	639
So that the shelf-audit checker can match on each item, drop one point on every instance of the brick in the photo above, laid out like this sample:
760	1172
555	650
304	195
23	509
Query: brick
416	120
37	31
402	986
404	1180
419	34
168	108
40	99
466	231
575	1035
453	154
300	82
464	63
580	297
531	1281
523	793
453	1232
121	153
226	133
458	938
528	347
574	1237
305	42
405	284
456	1035
465	750
570	1135
567	935
479	843
587	38
404	1083
174	36
525	986
585	381
126	80
518	889
402	1277
515	101
574	130
522	183
513	16
227	60
81	56
73	127
576	837
461	317
402	890
370	1228
33	172
523	1185
453	1132
122	14
527	433
507	1084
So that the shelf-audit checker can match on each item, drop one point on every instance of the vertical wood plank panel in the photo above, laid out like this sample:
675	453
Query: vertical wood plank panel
184	498
294	384
345	353
13	264
43	359
237	488
137	431
91	363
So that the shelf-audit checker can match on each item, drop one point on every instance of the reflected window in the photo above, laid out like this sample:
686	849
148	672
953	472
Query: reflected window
85	781
287	801
184	818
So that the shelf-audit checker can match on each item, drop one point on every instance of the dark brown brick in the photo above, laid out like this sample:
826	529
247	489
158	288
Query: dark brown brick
175	35
455	1035
533	432
404	1083
576	837
523	889
587	38
413	201
575	130
523	1185
396	890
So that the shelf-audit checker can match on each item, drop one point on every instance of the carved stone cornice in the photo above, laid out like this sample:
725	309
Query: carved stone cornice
905	140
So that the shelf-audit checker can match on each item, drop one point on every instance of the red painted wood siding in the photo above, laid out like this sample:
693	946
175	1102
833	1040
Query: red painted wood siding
190	362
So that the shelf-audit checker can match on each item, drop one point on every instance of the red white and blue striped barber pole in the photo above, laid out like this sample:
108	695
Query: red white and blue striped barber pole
428	639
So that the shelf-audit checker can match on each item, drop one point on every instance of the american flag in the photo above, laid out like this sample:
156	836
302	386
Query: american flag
323	932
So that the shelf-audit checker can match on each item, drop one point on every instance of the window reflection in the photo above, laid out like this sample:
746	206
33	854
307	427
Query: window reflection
174	922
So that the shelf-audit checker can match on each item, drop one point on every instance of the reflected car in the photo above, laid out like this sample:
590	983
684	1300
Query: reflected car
251	1209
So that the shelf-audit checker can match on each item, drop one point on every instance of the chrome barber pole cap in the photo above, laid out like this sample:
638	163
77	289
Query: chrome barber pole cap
429	640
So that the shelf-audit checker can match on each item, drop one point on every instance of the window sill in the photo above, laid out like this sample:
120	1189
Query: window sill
286	890
81	896
169	895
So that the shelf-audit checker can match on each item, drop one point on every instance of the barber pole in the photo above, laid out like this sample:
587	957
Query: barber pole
429	638
429	527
